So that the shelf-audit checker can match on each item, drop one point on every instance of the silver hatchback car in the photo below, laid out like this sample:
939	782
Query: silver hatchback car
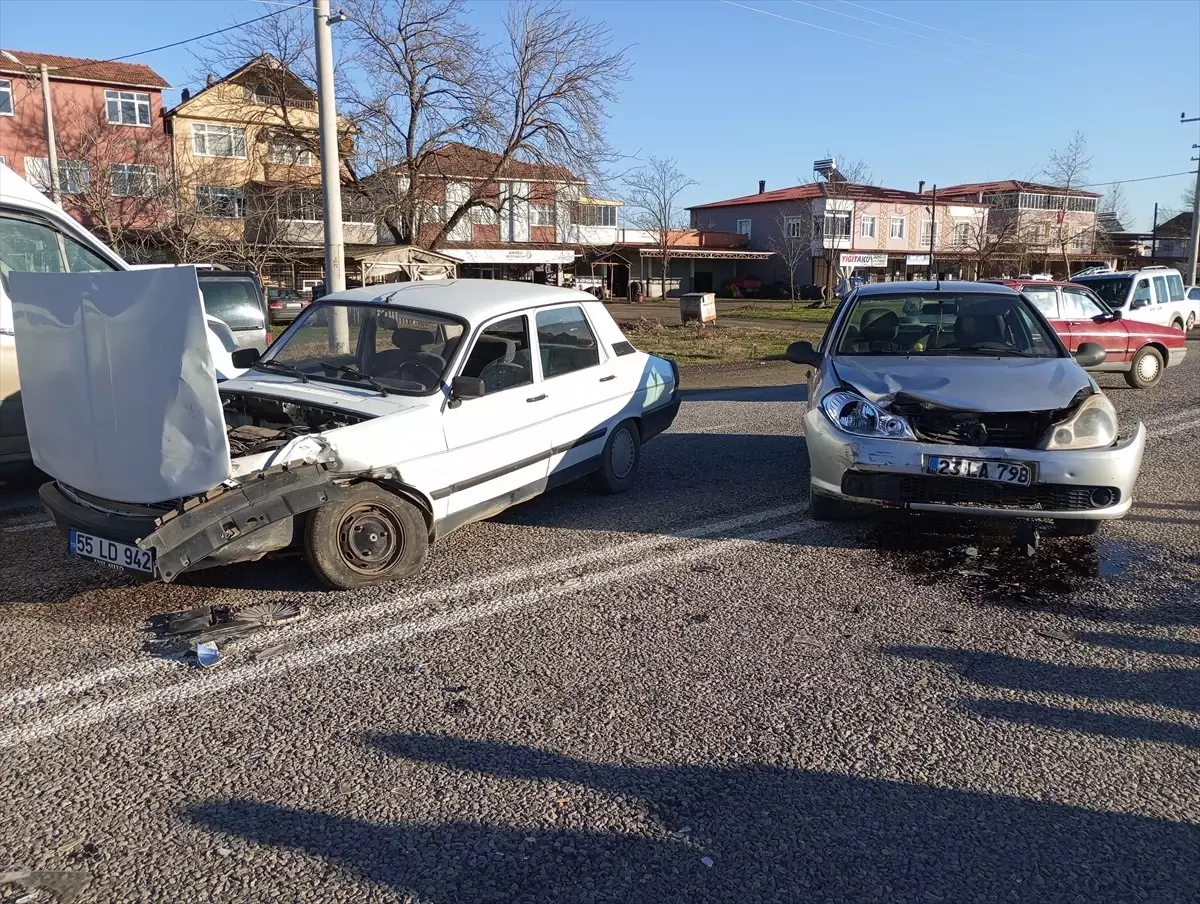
959	397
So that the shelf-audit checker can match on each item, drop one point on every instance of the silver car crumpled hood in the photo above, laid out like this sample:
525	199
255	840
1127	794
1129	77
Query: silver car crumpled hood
974	383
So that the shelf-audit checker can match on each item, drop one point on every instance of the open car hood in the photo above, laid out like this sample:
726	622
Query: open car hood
117	382
974	383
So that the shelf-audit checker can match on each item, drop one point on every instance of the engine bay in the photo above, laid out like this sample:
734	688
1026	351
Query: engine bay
257	424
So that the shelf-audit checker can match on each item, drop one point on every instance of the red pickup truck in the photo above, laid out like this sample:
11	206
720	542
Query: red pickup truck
1141	351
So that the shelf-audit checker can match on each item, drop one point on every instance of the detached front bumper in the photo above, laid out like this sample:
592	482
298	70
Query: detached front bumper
1090	484
228	524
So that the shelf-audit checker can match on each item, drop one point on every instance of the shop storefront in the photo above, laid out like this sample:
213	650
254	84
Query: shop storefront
539	265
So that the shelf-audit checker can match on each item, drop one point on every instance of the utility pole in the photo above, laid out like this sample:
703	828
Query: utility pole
51	145
1154	235
1194	244
331	174
932	230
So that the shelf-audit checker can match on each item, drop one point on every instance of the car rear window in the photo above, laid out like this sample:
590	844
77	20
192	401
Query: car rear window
1176	285
234	301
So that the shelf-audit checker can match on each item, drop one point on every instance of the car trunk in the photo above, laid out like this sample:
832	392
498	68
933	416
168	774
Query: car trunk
119	391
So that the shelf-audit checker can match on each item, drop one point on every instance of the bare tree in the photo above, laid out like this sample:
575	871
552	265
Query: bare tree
653	193
1067	169
833	231
792	241
114	179
991	240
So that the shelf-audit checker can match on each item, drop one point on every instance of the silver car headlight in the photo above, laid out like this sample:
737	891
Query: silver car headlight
854	414
1092	426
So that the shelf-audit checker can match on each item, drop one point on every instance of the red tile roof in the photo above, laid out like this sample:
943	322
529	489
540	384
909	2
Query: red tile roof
1011	185
848	190
462	160
64	67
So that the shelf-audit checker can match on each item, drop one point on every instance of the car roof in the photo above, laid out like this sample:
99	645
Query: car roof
1154	271
932	288
473	300
1031	282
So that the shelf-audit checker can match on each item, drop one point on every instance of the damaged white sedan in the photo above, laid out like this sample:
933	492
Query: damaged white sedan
960	397
382	419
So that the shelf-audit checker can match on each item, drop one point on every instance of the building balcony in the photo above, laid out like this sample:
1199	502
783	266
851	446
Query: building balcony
310	232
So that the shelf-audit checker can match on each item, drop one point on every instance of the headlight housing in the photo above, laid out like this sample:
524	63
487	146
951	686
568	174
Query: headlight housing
851	412
1092	426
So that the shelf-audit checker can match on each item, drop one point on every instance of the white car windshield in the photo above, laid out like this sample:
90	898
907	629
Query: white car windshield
388	349
944	323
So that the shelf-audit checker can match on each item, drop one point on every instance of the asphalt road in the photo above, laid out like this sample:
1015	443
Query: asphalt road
688	693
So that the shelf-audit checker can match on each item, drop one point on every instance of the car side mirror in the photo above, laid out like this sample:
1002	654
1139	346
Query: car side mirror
1115	315
467	388
245	357
803	353
1090	354
1138	303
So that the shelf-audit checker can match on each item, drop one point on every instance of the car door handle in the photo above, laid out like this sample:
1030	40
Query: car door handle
537	398
609	377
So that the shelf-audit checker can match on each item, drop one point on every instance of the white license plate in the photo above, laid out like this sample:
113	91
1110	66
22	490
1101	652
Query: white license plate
980	469
112	552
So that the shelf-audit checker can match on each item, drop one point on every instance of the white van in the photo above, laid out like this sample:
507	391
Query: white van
1149	295
36	235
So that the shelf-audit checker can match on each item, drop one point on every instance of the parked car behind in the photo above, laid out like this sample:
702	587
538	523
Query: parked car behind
36	235
447	402
236	297
973	406
1151	295
1139	350
285	305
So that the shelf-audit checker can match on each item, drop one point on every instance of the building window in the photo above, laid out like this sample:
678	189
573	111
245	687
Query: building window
926	233
542	214
210	140
1080	242
221	203
962	233
301	205
290	152
835	225
74	176
896	230
1039	234
593	214
743	228
793	227
866	228
125	108
132	180
6	98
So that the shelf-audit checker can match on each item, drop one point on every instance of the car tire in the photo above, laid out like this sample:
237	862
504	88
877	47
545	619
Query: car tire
1074	528
1146	368
365	536
1191	321
1177	323
620	459
826	508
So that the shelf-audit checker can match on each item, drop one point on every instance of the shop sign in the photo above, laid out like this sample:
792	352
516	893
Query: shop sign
917	260
851	259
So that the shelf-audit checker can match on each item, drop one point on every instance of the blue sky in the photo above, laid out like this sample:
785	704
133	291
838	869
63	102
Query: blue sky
736	95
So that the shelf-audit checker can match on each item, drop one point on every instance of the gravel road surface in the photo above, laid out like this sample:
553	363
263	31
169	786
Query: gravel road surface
688	693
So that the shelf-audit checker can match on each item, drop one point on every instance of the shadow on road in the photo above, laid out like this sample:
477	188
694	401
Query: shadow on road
770	833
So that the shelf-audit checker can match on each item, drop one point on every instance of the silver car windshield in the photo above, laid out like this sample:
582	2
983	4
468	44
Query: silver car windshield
944	323
397	349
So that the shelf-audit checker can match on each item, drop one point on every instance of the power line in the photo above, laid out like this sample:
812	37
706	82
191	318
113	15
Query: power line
845	34
1143	179
880	12
903	31
210	34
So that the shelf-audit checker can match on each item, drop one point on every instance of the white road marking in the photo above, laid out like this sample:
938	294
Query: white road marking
1177	428
21	528
401	602
197	685
1172	418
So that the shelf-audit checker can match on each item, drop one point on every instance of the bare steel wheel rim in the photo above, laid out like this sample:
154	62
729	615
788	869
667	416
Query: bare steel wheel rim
622	454
1147	368
1191	322
370	538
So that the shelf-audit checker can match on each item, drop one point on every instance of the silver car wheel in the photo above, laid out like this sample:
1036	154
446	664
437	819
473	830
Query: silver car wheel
1147	368
622	454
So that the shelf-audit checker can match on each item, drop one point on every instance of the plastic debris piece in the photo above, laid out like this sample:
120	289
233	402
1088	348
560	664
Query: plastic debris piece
67	884
684	830
225	852
972	552
707	861
208	655
273	651
267	615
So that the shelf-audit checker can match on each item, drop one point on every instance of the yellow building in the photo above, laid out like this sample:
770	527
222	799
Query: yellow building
247	177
